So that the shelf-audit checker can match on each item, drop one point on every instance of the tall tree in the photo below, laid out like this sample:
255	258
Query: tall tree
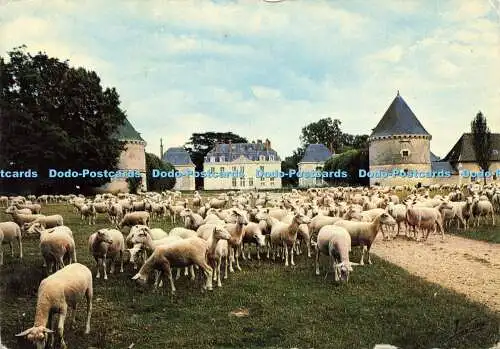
158	184
324	131
56	116
351	161
291	163
200	144
481	141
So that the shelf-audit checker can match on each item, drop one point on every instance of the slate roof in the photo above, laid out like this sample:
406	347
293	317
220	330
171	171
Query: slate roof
434	157
251	151
316	153
463	150
127	132
177	156
442	165
399	120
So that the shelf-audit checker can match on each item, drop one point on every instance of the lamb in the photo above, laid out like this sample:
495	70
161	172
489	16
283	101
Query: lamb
46	222
217	250
88	211
398	212
179	254
10	231
56	293
107	243
335	241
236	231
363	233
134	218
56	244
115	212
191	220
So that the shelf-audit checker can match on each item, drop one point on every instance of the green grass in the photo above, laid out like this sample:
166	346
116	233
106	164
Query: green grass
484	232
288	307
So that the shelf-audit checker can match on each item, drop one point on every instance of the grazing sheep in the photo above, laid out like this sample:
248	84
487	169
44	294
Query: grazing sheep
56	293
10	232
252	233
35	208
335	241
21	218
482	208
398	212
115	212
88	211
134	218
56	245
191	220
426	218
179	254
107	243
364	233
46	222
217	203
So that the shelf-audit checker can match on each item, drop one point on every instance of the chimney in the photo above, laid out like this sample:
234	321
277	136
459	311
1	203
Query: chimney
268	144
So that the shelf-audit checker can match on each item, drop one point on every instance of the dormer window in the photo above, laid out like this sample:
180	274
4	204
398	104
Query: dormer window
405	153
221	159
212	159
271	157
262	158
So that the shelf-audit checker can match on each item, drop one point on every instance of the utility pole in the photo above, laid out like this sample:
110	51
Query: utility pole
161	148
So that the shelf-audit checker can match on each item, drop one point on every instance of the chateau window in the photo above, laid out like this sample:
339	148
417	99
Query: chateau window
262	169
212	159
405	153
222	169
234	182
242	171
272	181
221	159
234	169
271	157
212	169
262	158
250	181
242	182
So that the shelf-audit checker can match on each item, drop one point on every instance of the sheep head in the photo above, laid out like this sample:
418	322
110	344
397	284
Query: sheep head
343	271
387	219
140	278
221	233
103	236
302	219
37	335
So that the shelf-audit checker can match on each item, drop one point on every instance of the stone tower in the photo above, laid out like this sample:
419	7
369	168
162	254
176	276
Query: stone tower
399	141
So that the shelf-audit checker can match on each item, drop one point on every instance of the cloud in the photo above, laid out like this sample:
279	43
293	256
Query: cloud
262	92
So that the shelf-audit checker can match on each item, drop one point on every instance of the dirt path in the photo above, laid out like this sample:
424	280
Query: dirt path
467	266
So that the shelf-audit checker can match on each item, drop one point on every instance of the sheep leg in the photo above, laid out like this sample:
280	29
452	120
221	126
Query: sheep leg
121	261
217	271
112	269
225	267
171	279
178	274
243	252
104	268
362	262
1	254
335	270
11	248
258	253
368	253
89	295
72	321
238	258
60	325
231	260
186	271
316	261
285	254
291	259
191	271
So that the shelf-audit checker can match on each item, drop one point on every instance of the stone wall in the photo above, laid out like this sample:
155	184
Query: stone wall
398	180
387	151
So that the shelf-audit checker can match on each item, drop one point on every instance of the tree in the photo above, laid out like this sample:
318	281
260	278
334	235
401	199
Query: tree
351	161
325	131
481	141
200	144
158	184
291	163
134	183
56	116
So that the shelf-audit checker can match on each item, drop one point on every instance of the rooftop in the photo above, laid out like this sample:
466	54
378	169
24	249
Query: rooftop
463	150
316	153
177	156
252	151
127	132
399	120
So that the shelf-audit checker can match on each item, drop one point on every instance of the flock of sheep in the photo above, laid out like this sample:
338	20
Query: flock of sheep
217	231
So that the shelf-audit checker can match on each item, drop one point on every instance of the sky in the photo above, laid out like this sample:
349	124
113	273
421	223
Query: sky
265	69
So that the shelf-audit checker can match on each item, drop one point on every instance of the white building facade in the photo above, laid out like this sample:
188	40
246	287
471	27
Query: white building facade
180	159
241	166
314	159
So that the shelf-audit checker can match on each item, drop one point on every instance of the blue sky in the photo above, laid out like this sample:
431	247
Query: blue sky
265	70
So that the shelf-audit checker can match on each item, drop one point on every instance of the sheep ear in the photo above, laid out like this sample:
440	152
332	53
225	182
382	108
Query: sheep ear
48	330
25	332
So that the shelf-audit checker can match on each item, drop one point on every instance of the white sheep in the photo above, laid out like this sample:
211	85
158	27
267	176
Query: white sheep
335	242
10	232
363	233
107	243
217	250
252	233
56	244
46	222
134	218
179	254
56	294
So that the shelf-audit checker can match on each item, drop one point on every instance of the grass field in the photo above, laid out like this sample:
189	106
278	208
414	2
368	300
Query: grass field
287	307
483	232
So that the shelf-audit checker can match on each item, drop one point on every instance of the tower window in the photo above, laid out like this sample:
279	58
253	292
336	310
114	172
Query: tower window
405	153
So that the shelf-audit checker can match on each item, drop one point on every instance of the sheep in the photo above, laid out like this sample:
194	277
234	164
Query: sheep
21	218
335	241
252	232
56	244
46	222
182	253
217	203
11	209
319	222
424	217
174	212
191	220
398	212
217	250
303	236
363	233
184	233
56	293
35	208
10	232
115	212
88	211
236	231
107	243
134	218
482	208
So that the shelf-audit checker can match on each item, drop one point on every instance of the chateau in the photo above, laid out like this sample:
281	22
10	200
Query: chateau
133	157
400	142
245	158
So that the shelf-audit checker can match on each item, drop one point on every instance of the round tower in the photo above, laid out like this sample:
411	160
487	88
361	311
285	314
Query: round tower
399	143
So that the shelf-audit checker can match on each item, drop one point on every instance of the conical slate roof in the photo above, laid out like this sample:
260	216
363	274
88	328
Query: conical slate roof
127	132
316	153
399	120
